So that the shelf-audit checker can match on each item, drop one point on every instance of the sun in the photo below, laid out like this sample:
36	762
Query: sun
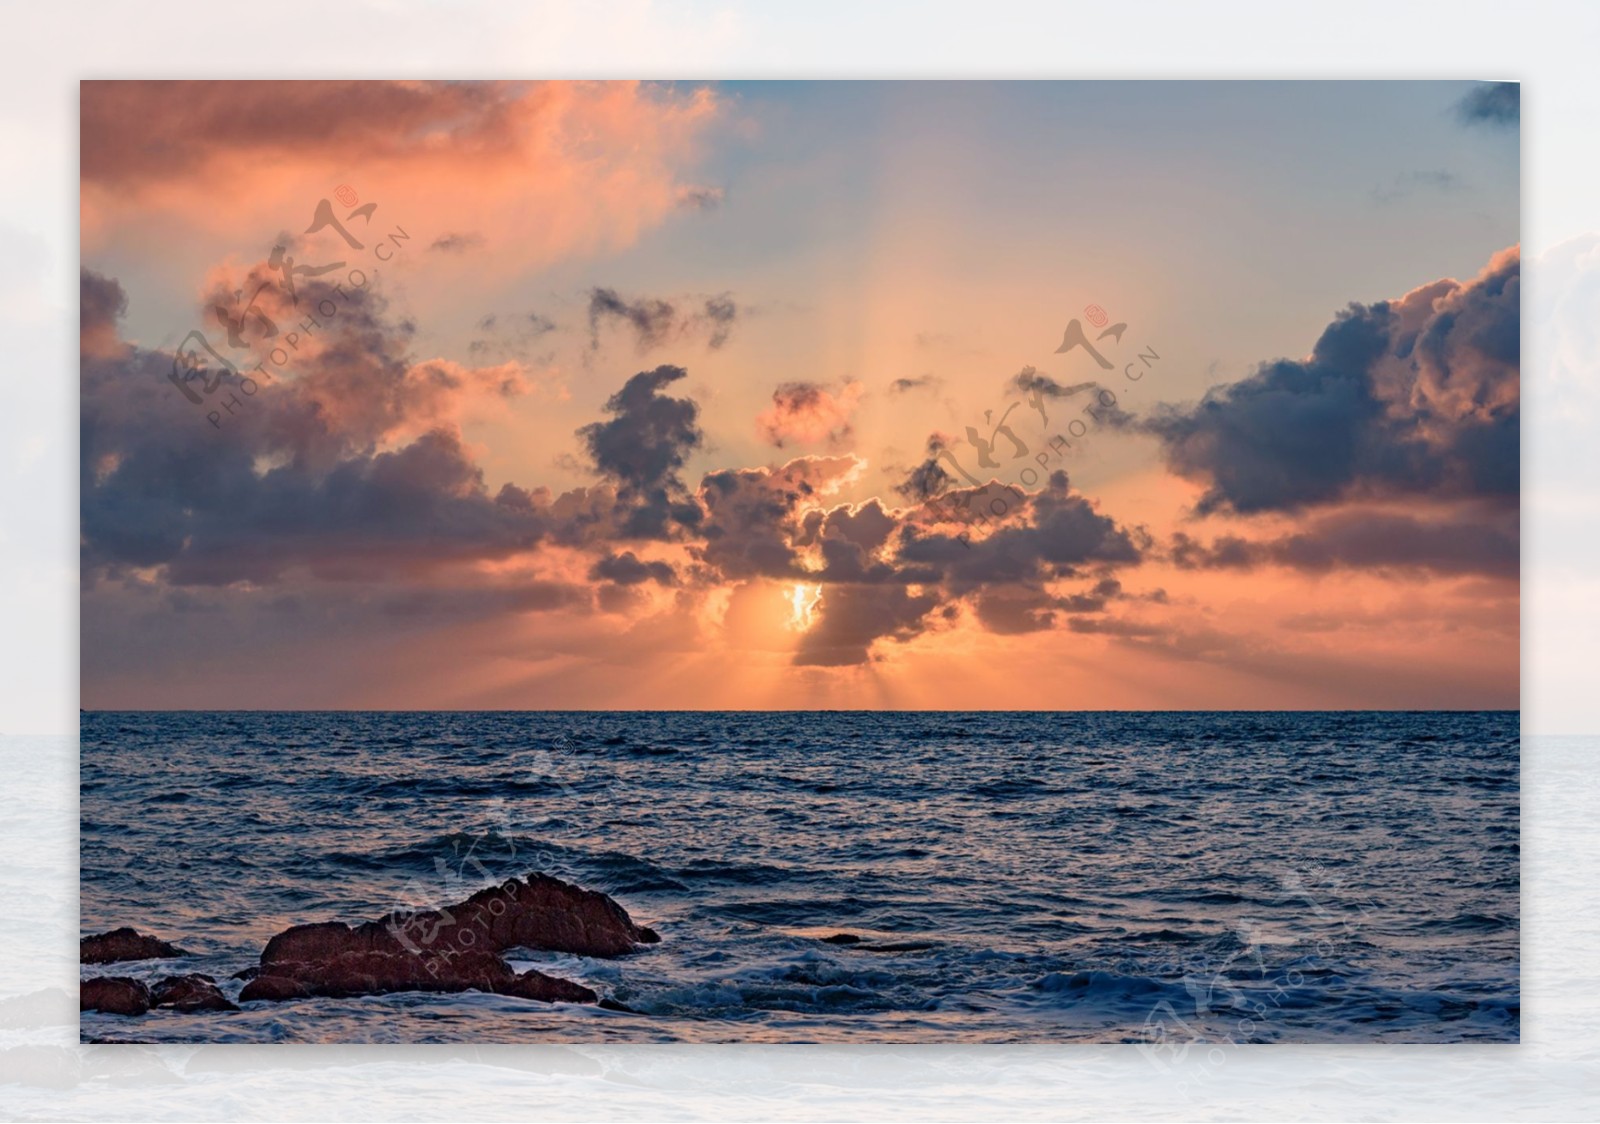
803	601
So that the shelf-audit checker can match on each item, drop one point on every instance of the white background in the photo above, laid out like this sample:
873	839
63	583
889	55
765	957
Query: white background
1549	47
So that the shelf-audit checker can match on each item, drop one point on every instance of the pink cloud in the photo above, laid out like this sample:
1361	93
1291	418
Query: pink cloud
807	413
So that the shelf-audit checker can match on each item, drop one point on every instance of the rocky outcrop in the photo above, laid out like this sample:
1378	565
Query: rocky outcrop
124	944
366	972
115	995
539	913
195	992
121	995
452	949
441	950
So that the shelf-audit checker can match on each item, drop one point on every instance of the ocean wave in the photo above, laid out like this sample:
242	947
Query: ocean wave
1006	877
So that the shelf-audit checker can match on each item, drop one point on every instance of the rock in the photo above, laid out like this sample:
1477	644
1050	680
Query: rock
452	949
125	944
541	913
366	972
859	945
115	995
278	988
194	992
547	989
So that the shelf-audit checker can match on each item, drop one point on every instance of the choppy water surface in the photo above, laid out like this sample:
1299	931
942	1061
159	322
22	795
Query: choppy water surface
1160	878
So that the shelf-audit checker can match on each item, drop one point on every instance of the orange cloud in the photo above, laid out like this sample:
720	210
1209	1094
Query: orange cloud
807	413
539	171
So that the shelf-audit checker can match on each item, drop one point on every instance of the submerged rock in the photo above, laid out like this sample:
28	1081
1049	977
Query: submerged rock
124	944
452	949
115	995
195	992
856	943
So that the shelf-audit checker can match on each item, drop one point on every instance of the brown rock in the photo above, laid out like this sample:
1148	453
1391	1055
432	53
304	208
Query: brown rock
541	913
115	995
194	992
547	989
124	944
364	972
275	988
451	949
547	913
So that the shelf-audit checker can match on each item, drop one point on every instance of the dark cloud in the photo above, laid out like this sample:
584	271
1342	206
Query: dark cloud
295	478
657	322
751	528
101	303
701	198
1052	533
885	573
1039	389
643	447
627	569
850	542
1483	543
720	313
456	243
854	617
867	526
1030	381
509	336
1417	397
921	382
1012	610
351	468
1496	104
928	479
480	602
651	320
200	509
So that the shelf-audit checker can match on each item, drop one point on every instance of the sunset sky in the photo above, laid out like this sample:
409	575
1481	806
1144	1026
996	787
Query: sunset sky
659	395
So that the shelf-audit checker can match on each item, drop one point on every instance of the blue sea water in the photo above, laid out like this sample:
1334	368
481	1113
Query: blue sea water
1160	878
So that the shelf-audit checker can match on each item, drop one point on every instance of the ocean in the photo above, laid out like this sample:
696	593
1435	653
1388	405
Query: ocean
1167	879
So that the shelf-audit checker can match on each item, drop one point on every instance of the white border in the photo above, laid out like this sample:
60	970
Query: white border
1548	46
